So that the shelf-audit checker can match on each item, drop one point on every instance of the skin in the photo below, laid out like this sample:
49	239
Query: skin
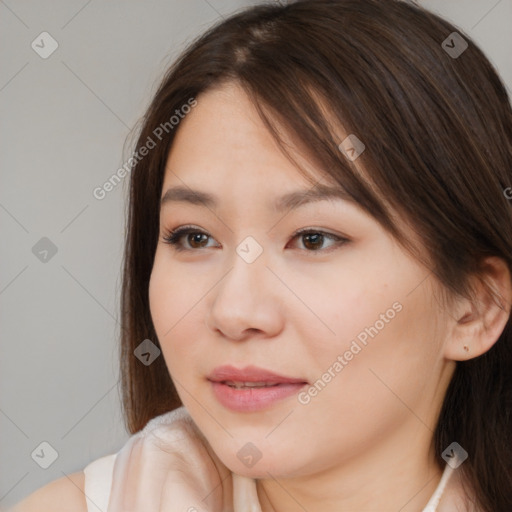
364	442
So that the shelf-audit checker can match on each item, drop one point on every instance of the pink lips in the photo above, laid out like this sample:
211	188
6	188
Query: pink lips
249	399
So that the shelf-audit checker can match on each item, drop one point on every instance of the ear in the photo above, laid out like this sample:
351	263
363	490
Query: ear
476	326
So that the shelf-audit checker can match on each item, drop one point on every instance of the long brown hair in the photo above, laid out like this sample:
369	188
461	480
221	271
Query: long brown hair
438	134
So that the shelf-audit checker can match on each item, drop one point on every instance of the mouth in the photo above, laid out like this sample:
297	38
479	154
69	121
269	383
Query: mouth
250	376
251	389
243	385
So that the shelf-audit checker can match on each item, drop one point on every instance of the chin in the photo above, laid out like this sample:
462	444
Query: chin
261	463
248	450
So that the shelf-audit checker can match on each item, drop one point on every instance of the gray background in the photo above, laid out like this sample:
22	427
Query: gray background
64	121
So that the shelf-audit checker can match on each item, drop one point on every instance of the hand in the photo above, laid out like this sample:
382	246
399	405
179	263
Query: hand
169	466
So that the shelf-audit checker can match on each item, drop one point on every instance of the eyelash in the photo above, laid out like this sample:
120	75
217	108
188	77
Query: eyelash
173	237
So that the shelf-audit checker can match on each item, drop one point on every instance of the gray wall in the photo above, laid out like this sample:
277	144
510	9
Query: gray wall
64	120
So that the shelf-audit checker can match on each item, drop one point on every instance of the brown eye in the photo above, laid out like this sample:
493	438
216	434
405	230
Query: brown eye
195	238
313	240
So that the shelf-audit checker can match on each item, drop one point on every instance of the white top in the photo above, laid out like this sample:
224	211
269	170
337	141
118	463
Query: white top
98	481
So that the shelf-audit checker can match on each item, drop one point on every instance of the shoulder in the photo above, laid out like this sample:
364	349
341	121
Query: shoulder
63	495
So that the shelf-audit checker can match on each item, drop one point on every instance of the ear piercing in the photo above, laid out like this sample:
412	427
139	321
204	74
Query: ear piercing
466	348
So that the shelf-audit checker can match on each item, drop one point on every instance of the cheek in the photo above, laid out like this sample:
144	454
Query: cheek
379	381
174	301
371	392
172	293
376	337
341	305
161	299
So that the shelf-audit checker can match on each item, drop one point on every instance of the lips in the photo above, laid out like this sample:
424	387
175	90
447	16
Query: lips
251	388
250	375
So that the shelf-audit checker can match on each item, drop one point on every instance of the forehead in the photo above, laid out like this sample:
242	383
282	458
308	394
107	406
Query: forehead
224	140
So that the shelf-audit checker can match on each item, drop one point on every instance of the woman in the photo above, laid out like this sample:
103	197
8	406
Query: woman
317	282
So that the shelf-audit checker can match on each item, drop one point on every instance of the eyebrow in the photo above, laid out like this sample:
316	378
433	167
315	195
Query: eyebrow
289	201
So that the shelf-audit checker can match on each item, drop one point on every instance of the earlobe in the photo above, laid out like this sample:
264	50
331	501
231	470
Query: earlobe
477	325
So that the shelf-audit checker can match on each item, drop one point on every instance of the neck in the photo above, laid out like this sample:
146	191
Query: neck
393	478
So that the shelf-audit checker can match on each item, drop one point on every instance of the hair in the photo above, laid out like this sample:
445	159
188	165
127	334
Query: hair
438	148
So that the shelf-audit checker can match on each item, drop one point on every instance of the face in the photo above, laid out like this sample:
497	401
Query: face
341	310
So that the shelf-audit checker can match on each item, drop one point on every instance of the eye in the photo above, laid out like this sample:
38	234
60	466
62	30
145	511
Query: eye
313	239
195	236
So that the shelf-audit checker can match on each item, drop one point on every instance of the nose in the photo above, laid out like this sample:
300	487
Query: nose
246	302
